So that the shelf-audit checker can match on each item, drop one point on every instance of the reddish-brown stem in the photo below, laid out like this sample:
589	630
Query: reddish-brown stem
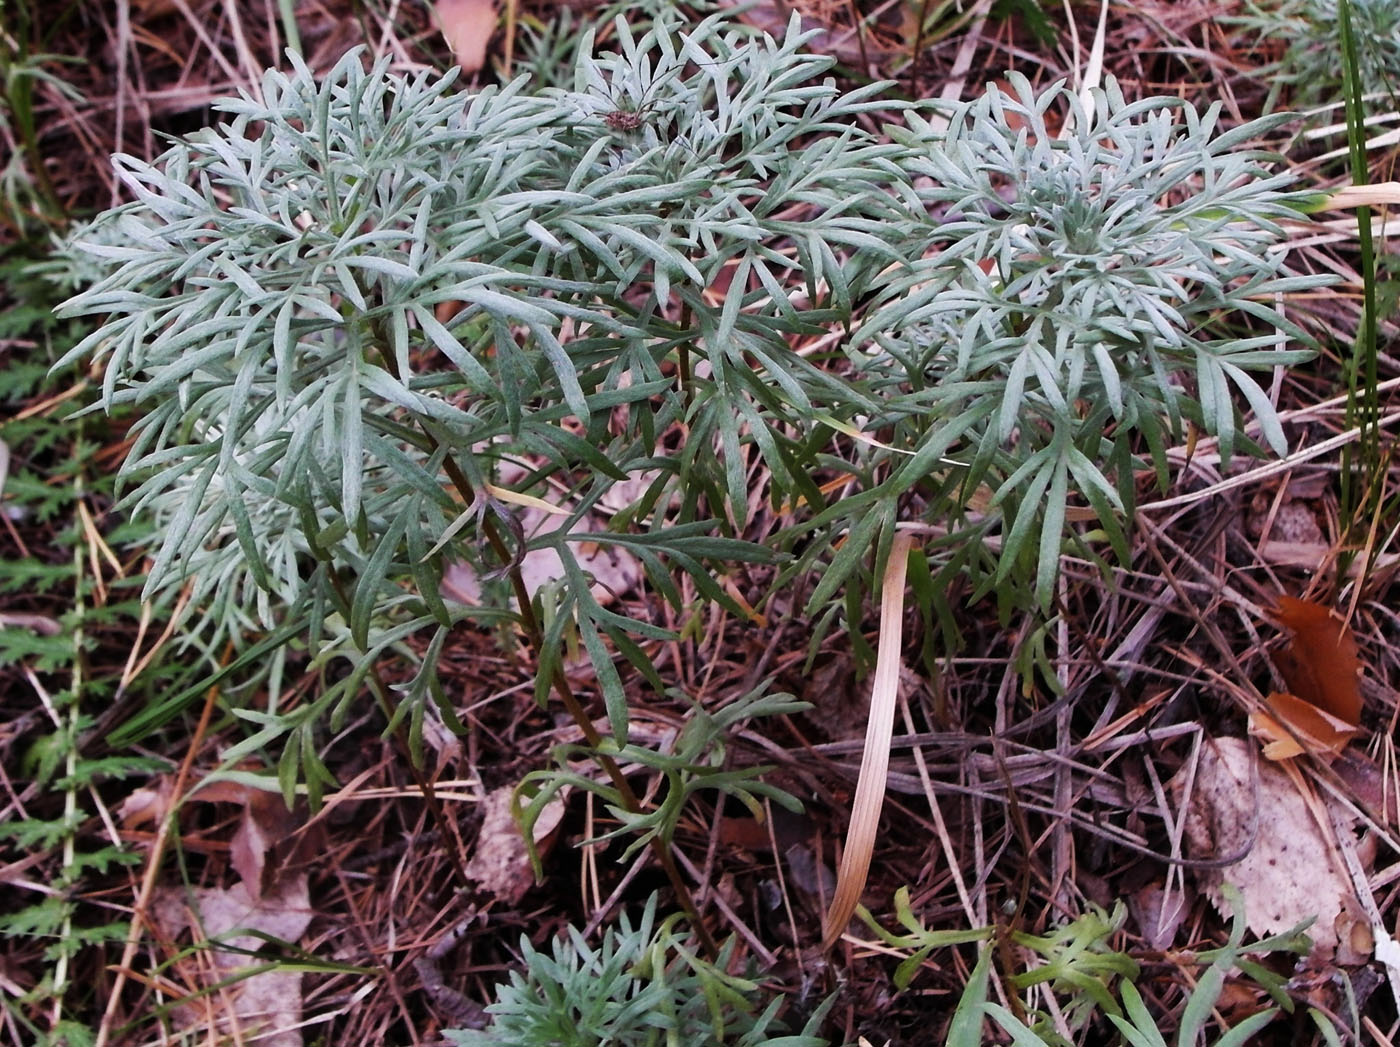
535	636
457	849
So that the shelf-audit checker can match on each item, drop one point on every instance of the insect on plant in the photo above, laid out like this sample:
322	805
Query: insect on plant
628	102
630	109
625	120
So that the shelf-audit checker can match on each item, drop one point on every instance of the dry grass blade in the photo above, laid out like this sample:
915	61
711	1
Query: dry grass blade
1092	78
1381	194
140	914
875	762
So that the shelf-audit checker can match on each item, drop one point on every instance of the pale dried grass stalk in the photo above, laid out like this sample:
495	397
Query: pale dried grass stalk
875	761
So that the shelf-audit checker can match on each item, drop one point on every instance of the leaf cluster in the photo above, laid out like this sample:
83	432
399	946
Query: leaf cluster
1058	291
366	319
697	761
1084	971
1308	72
643	985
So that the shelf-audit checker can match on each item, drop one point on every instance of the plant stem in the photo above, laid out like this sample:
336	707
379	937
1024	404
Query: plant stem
457	850
1363	407
139	912
16	75
683	359
534	635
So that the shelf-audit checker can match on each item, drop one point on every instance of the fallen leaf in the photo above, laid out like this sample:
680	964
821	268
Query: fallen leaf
1355	938
467	26
146	804
1292	726
265	824
1159	913
500	862
152	803
266	1007
1320	712
809	873
266	840
1320	664
1284	864
1370	786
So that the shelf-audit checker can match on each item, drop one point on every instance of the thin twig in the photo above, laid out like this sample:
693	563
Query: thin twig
148	879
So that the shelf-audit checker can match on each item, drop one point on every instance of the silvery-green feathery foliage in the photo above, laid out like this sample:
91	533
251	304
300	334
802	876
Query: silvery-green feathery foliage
1309	32
352	311
642	986
273	302
548	51
1069	297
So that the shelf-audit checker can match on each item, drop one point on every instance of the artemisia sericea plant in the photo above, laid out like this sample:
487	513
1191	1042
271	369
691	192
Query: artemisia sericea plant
1309	72
1069	302
369	318
317	443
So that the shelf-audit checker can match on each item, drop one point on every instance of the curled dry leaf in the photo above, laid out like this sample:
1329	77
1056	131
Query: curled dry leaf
266	841
1320	664
1320	712
262	842
266	1007
875	760
1159	913
1292	726
808	872
148	804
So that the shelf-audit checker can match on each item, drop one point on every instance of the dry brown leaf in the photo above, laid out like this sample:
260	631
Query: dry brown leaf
808	872
146	804
500	862
1320	664
265	824
1288	870
261	846
266	1007
149	804
1159	913
467	26
1292	727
